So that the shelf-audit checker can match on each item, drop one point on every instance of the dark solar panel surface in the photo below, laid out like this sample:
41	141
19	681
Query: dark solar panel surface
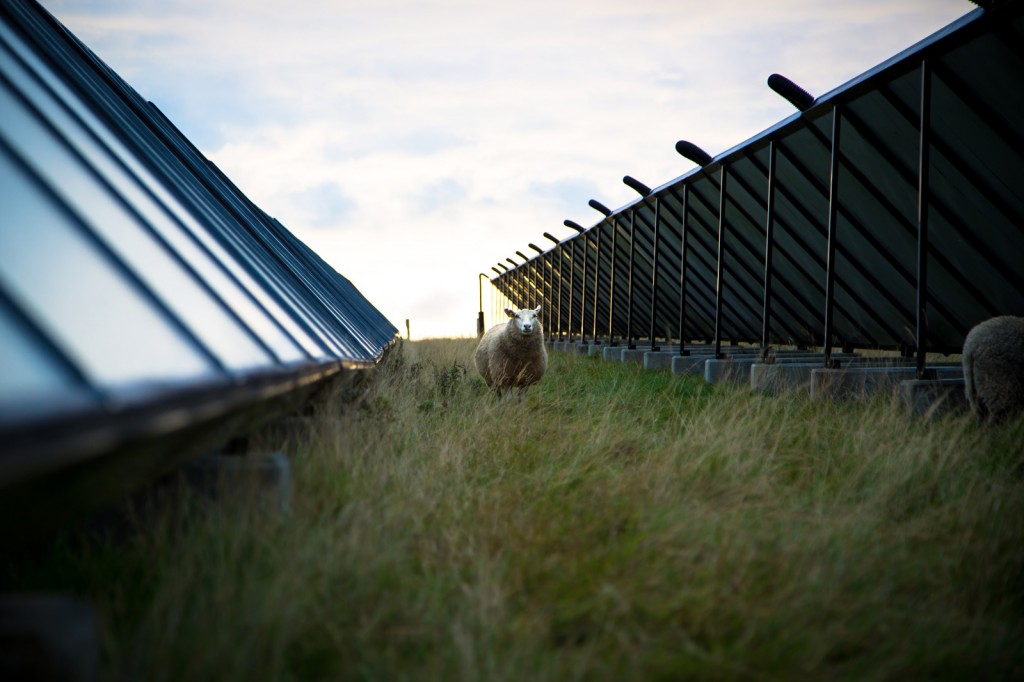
972	194
133	273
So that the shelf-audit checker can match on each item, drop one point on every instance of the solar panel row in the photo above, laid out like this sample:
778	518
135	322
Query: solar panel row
888	214
141	292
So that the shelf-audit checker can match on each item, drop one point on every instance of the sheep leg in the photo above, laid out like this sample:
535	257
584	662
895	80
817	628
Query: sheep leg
503	393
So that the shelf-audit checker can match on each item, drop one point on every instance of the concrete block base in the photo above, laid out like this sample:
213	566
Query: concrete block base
659	360
634	354
859	382
726	350
738	368
789	371
935	398
689	364
267	476
730	370
781	377
612	353
48	638
697	356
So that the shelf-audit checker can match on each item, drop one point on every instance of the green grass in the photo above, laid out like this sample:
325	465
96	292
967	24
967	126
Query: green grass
618	524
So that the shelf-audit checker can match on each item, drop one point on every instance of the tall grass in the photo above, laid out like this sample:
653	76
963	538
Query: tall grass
618	524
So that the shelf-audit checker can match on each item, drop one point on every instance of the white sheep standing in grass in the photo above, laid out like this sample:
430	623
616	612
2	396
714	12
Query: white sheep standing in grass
993	362
512	355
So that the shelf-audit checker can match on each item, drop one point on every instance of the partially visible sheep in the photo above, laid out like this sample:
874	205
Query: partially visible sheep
512	355
994	368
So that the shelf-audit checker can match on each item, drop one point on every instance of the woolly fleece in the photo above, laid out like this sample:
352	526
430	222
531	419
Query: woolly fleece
506	358
993	362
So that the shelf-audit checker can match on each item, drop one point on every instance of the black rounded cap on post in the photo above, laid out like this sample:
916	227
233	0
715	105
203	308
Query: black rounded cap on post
793	93
597	205
497	271
552	237
535	247
514	264
693	153
642	189
569	223
523	256
504	267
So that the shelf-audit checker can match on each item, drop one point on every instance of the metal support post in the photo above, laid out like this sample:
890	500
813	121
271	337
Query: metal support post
833	210
611	285
572	288
769	248
924	160
480	314
561	286
597	278
683	243
531	277
629	283
720	279
583	289
549	283
654	269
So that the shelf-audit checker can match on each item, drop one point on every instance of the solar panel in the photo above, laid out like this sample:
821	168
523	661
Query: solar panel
141	293
866	220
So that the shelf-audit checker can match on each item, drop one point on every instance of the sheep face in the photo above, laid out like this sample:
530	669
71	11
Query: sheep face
524	322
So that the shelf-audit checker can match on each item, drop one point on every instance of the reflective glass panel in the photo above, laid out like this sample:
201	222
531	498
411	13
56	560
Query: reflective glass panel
28	373
96	203
79	296
159	208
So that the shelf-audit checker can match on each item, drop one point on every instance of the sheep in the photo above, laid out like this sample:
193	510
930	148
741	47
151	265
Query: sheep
993	360
512	355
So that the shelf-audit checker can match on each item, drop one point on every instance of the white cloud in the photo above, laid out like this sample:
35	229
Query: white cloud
322	205
439	196
416	144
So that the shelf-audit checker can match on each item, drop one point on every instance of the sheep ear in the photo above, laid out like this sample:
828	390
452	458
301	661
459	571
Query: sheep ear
537	311
508	311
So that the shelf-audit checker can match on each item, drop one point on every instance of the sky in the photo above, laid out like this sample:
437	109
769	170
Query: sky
416	144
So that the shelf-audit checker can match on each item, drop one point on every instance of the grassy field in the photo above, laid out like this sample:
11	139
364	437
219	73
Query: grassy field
617	525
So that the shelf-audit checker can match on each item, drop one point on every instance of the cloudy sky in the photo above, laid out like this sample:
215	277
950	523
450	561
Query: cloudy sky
415	144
